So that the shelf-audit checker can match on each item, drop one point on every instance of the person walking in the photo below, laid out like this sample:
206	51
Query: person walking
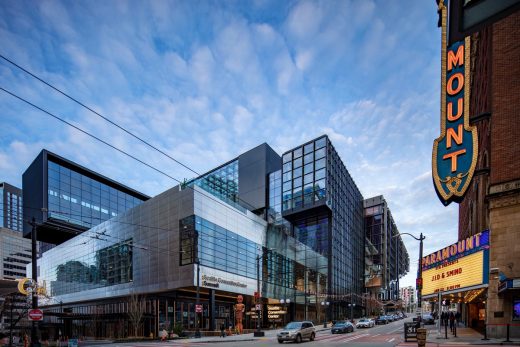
222	330
452	321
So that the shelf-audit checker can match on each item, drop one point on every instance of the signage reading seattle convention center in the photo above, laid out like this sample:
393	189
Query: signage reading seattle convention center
454	155
460	265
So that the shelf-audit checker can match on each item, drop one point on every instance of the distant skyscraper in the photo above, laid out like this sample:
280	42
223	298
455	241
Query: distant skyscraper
11	207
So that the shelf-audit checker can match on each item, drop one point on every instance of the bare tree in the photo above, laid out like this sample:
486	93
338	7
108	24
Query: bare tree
136	310
15	306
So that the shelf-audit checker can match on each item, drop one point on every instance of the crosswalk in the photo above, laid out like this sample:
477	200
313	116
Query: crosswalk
339	338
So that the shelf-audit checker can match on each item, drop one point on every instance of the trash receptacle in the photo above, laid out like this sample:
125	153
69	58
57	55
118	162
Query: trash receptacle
421	337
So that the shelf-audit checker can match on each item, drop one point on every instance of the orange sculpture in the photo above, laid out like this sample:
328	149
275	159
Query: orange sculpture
239	313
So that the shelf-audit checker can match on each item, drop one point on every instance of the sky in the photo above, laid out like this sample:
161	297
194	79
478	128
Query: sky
205	81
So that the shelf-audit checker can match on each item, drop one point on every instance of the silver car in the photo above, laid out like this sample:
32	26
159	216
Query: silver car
365	323
297	331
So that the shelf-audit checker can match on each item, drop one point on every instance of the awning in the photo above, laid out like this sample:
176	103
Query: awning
8	287
466	294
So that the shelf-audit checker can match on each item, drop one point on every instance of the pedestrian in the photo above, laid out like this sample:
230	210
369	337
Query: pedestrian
222	330
452	321
457	318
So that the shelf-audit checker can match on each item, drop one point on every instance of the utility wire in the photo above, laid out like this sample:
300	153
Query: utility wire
96	113
211	196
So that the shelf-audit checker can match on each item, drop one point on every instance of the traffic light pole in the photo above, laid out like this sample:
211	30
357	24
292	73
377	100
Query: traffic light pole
34	327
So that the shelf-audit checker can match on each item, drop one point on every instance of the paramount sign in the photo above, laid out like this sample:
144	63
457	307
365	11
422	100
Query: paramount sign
454	156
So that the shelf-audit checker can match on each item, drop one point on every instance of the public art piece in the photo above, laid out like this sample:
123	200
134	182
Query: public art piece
239	313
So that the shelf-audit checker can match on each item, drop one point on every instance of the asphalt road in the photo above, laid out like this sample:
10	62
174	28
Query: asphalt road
381	335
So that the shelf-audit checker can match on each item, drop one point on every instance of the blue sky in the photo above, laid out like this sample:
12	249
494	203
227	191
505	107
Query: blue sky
207	80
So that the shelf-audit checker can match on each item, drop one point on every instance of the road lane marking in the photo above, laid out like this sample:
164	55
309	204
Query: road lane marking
392	339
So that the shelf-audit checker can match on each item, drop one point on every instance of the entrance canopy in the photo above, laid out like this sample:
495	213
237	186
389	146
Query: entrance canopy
467	295
8	287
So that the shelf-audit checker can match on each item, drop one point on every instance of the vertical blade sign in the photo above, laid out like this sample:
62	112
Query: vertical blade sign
454	156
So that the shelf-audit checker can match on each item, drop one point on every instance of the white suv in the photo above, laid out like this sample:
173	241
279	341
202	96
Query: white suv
297	331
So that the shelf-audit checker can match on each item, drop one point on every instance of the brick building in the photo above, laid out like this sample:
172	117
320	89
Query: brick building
493	200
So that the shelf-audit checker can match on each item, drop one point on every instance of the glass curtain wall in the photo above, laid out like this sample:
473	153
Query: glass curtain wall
221	182
304	175
81	200
217	247
296	268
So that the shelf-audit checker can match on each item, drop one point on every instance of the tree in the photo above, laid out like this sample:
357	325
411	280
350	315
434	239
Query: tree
15	306
136	310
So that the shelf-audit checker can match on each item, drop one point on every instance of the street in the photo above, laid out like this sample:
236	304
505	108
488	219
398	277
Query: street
380	335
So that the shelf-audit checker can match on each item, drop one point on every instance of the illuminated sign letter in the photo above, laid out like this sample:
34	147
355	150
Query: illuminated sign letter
454	154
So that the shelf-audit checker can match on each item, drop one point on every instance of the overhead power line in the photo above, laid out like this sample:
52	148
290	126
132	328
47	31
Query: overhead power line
96	113
210	196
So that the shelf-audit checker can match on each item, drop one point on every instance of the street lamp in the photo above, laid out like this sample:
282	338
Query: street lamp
351	305
197	303
284	302
258	332
325	307
419	281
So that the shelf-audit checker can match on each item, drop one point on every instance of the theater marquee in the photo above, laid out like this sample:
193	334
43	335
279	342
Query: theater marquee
461	265
454	154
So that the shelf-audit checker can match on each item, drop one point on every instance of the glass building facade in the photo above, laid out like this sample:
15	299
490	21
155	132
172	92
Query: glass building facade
298	217
11	212
79	199
325	210
391	258
66	199
221	182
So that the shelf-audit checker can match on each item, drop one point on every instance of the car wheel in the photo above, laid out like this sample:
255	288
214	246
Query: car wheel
351	330
312	336
280	341
298	338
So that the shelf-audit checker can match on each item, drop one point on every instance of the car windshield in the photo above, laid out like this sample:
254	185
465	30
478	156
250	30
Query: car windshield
339	325
293	325
363	320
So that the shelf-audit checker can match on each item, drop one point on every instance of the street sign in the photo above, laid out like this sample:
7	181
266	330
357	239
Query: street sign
198	308
35	314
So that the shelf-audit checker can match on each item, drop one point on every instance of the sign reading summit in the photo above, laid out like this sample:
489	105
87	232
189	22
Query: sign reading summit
455	151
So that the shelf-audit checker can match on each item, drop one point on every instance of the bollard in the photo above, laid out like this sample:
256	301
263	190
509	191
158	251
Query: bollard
421	337
507	333
485	333
455	330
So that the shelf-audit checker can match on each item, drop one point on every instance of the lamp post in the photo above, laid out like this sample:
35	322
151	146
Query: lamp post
258	332
351	305
197	304
34	256
419	281
284	302
325	307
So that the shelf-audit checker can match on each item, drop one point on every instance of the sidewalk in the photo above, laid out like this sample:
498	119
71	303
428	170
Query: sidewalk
465	336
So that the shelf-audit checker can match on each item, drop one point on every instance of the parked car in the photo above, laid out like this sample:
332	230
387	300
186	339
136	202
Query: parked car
382	320
297	331
365	323
342	327
427	318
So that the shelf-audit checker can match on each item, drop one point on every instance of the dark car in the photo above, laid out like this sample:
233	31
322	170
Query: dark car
427	318
342	327
382	320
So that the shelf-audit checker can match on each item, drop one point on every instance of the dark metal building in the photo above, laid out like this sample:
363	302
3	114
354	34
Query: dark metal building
66	199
